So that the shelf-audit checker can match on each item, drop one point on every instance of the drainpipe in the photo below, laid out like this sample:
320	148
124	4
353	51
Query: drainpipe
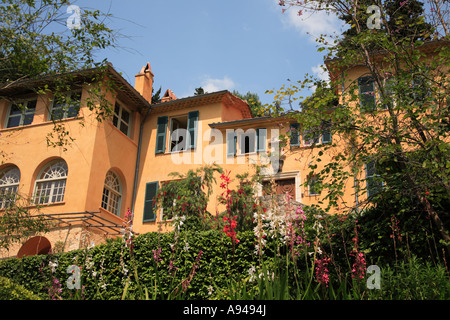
136	169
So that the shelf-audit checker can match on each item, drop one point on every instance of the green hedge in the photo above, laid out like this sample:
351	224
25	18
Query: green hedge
12	291
216	265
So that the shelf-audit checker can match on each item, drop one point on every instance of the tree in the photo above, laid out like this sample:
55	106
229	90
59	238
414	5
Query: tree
53	39
398	128
156	96
252	100
199	91
48	39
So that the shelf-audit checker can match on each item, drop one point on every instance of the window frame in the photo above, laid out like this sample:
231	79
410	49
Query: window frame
241	137
11	188
23	113
120	117
367	107
378	184
65	107
309	180
118	194
53	186
185	147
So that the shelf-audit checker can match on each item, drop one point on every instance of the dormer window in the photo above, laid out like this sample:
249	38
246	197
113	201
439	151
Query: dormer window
21	113
66	106
122	118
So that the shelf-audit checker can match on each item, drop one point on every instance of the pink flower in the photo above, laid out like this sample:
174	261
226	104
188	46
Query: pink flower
322	271
156	254
300	12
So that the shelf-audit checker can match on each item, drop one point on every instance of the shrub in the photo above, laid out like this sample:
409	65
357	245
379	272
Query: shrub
12	291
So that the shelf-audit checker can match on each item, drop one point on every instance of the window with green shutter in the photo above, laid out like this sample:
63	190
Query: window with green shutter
161	134
150	193
367	99
192	126
295	135
231	143
261	137
326	132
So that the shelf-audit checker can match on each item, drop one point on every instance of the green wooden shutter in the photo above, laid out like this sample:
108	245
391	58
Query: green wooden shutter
295	136
150	193
192	129
261	137
231	144
161	130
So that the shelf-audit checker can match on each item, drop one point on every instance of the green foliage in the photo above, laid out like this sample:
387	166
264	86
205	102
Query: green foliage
18	221
12	291
35	44
185	198
253	101
103	275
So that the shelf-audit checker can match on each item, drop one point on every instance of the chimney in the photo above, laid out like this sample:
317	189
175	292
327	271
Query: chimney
168	96
143	82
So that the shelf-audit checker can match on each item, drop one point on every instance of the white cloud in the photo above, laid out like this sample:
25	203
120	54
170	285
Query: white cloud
212	85
313	23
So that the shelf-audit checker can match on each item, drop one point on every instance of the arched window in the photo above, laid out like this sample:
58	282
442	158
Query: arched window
112	193
51	183
9	184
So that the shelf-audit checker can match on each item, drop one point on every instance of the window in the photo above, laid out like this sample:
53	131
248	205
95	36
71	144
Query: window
182	132
367	99
310	138
247	142
261	137
51	183
178	133
112	194
66	106
373	181
326	132
9	185
295	135
121	118
21	114
252	141
231	143
312	186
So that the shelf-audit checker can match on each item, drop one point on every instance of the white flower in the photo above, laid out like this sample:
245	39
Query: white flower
252	272
53	265
186	246
210	290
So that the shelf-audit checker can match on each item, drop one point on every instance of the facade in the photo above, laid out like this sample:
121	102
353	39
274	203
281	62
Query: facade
118	164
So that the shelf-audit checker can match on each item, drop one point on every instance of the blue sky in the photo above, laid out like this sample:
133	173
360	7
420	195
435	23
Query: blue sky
243	45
